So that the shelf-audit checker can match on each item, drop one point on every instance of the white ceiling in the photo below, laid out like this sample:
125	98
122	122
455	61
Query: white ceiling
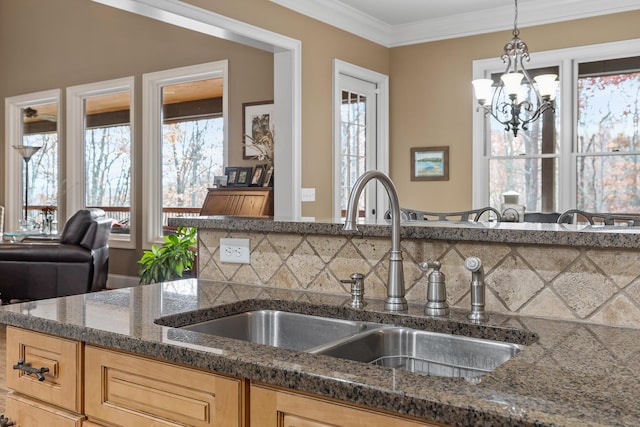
403	22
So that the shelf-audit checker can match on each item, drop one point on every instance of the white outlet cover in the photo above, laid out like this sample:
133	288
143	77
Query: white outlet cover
236	251
308	195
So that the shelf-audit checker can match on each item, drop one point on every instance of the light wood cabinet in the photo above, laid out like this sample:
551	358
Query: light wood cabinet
62	383
242	201
272	407
128	390
90	386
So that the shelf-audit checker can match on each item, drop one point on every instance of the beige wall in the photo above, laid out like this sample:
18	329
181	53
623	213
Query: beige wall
431	98
56	44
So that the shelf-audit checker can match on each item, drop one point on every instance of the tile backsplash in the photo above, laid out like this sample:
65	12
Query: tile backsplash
600	286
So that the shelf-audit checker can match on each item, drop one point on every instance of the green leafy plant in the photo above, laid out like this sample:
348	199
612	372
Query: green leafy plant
171	259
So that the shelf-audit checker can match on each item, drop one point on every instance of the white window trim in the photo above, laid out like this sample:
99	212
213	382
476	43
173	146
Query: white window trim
13	161
382	128
568	60
287	85
152	84
75	183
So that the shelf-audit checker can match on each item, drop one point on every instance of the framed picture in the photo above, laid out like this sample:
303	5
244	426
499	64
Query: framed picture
258	175
257	117
430	164
243	177
232	175
220	181
268	178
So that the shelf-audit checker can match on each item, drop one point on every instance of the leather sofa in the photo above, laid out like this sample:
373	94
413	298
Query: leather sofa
78	262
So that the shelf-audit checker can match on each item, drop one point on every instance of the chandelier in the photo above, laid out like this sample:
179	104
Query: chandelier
516	100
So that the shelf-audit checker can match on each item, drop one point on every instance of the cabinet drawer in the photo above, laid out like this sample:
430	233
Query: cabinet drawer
129	390
25	412
61	385
274	407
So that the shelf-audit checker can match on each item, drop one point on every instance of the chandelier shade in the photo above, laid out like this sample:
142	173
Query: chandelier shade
516	100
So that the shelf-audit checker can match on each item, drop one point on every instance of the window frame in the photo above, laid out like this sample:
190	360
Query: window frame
567	60
75	182
14	164
152	84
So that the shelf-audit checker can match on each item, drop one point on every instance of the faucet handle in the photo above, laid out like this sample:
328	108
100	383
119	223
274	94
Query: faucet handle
357	289
429	264
473	264
437	305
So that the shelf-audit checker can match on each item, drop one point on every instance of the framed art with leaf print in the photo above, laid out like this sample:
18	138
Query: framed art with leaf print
257	120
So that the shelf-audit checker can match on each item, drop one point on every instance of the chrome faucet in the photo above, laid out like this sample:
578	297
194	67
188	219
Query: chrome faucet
396	300
474	265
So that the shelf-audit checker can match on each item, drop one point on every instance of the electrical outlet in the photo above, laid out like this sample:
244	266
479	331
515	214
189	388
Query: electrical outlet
235	251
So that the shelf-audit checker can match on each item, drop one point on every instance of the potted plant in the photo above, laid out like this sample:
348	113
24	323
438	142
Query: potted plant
170	260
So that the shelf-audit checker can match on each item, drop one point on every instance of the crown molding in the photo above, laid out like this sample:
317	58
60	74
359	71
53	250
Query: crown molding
339	15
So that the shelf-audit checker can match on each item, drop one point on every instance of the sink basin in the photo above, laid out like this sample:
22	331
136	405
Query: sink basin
424	352
282	329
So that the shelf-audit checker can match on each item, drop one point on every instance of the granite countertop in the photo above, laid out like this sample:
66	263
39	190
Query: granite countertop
524	233
570	374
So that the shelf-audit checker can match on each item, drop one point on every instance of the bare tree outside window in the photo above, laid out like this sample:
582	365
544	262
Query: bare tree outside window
608	162
192	154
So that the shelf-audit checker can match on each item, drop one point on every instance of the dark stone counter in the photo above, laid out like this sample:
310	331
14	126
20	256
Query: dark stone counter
570	374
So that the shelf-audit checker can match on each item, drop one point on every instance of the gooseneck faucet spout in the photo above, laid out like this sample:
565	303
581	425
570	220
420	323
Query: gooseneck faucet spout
396	300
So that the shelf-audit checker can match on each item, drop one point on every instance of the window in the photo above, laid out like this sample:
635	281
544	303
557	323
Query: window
192	145
608	131
100	153
33	120
360	141
184	141
586	155
526	164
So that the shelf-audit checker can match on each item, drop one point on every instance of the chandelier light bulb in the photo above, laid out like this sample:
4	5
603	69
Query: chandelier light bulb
512	82
547	85
483	90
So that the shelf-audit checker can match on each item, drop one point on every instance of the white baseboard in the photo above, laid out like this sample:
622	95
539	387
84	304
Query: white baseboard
117	281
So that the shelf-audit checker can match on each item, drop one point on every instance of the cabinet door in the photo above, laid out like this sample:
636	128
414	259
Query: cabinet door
61	385
277	408
128	390
25	412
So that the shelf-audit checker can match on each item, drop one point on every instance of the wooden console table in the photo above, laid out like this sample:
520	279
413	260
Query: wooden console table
242	201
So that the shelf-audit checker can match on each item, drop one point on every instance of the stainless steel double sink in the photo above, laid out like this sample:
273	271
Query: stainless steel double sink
404	348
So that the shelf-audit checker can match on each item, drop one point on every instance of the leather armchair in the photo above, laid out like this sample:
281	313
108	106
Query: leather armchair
76	263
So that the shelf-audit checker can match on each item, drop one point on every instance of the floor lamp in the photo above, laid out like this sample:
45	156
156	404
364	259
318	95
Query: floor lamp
26	151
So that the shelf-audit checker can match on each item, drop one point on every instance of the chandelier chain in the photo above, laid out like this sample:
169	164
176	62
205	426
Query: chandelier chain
515	31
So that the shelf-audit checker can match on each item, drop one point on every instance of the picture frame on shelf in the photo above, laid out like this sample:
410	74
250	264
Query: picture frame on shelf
430	163
268	177
220	181
257	177
257	117
232	175
244	176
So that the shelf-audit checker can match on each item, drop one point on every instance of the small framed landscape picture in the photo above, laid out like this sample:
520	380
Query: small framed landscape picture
430	164
244	175
232	175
